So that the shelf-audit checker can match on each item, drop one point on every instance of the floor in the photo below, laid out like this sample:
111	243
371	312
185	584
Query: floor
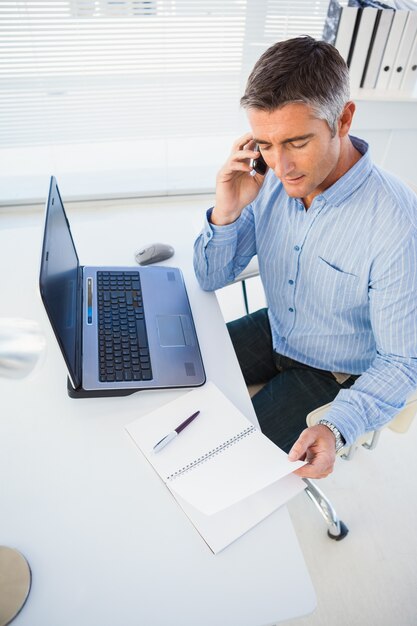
370	577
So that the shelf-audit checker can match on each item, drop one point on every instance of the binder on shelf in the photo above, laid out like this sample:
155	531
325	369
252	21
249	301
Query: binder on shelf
379	40
347	30
391	48
404	51
339	26
224	473
361	45
409	81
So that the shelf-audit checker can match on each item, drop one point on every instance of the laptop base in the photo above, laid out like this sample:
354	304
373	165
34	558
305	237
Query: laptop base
80	393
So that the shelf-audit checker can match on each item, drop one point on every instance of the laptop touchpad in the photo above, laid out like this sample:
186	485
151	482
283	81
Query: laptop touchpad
170	331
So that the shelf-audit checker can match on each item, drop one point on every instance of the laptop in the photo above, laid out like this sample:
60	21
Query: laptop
120	329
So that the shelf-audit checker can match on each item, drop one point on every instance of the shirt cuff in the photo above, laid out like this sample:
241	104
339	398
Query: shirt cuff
218	234
346	420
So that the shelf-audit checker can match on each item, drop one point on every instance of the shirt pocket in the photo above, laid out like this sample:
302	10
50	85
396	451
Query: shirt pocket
336	289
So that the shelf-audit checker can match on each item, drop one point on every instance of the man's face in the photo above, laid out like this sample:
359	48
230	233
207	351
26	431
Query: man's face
299	148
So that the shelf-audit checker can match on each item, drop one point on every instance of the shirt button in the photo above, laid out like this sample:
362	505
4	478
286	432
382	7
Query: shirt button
284	338
296	248
291	310
291	282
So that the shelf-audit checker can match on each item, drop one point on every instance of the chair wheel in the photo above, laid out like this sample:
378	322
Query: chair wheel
343	532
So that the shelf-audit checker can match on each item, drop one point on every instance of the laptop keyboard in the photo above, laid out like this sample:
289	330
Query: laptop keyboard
123	342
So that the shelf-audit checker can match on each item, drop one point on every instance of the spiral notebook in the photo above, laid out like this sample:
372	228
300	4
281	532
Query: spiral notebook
225	474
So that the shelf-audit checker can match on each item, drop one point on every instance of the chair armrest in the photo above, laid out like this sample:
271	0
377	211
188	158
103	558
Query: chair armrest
400	423
314	416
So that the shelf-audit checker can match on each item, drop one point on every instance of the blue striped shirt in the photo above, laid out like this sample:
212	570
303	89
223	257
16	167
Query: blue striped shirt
340	281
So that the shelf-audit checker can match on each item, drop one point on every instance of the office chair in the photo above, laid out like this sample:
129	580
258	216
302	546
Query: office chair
336	528
400	424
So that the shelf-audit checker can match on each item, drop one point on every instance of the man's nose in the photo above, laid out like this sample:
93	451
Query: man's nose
284	164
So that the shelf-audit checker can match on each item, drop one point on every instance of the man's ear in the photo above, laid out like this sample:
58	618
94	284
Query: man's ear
345	120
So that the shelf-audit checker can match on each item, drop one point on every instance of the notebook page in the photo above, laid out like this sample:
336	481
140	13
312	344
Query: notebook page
222	528
214	480
244	468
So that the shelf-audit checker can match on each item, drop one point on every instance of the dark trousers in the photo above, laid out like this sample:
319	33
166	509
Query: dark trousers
292	389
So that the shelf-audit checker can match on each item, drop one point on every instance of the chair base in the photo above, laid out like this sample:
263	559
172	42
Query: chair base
337	530
343	531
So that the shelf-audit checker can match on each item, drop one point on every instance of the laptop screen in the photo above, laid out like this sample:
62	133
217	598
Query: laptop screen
58	282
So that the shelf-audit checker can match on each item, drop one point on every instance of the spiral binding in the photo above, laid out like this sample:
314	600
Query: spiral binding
214	452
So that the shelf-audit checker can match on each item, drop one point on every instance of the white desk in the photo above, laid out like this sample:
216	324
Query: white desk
106	542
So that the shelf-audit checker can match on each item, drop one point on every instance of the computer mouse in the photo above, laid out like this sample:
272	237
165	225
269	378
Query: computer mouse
154	253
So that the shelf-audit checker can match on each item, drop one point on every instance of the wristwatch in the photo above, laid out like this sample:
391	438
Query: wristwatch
339	440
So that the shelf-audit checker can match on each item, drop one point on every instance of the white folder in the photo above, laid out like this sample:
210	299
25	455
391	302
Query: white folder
394	38
376	55
404	51
361	47
409	81
345	30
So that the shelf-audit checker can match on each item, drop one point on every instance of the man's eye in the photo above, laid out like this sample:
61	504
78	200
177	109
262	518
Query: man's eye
297	146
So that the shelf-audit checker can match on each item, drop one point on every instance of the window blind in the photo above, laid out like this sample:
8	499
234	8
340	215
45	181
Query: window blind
129	97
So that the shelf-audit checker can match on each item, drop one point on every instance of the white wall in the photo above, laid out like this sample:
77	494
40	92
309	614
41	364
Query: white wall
390	127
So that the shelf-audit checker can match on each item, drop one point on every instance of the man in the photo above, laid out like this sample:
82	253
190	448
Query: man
336	241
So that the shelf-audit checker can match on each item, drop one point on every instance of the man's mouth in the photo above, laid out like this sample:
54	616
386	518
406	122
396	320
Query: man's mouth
294	180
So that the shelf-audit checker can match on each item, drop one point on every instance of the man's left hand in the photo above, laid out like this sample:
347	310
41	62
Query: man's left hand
317	446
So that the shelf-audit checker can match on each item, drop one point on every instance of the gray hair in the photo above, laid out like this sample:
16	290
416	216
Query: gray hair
300	70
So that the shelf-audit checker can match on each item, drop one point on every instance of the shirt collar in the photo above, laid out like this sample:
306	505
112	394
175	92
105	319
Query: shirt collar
354	177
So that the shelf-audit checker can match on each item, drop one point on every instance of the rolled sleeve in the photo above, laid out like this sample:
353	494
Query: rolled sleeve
218	253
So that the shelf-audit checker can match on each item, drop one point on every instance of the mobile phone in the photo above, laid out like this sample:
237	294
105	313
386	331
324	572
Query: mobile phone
258	165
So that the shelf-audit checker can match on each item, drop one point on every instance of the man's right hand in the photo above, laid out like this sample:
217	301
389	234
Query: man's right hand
235	188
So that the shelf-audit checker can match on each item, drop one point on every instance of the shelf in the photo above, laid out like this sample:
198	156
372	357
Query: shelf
386	95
